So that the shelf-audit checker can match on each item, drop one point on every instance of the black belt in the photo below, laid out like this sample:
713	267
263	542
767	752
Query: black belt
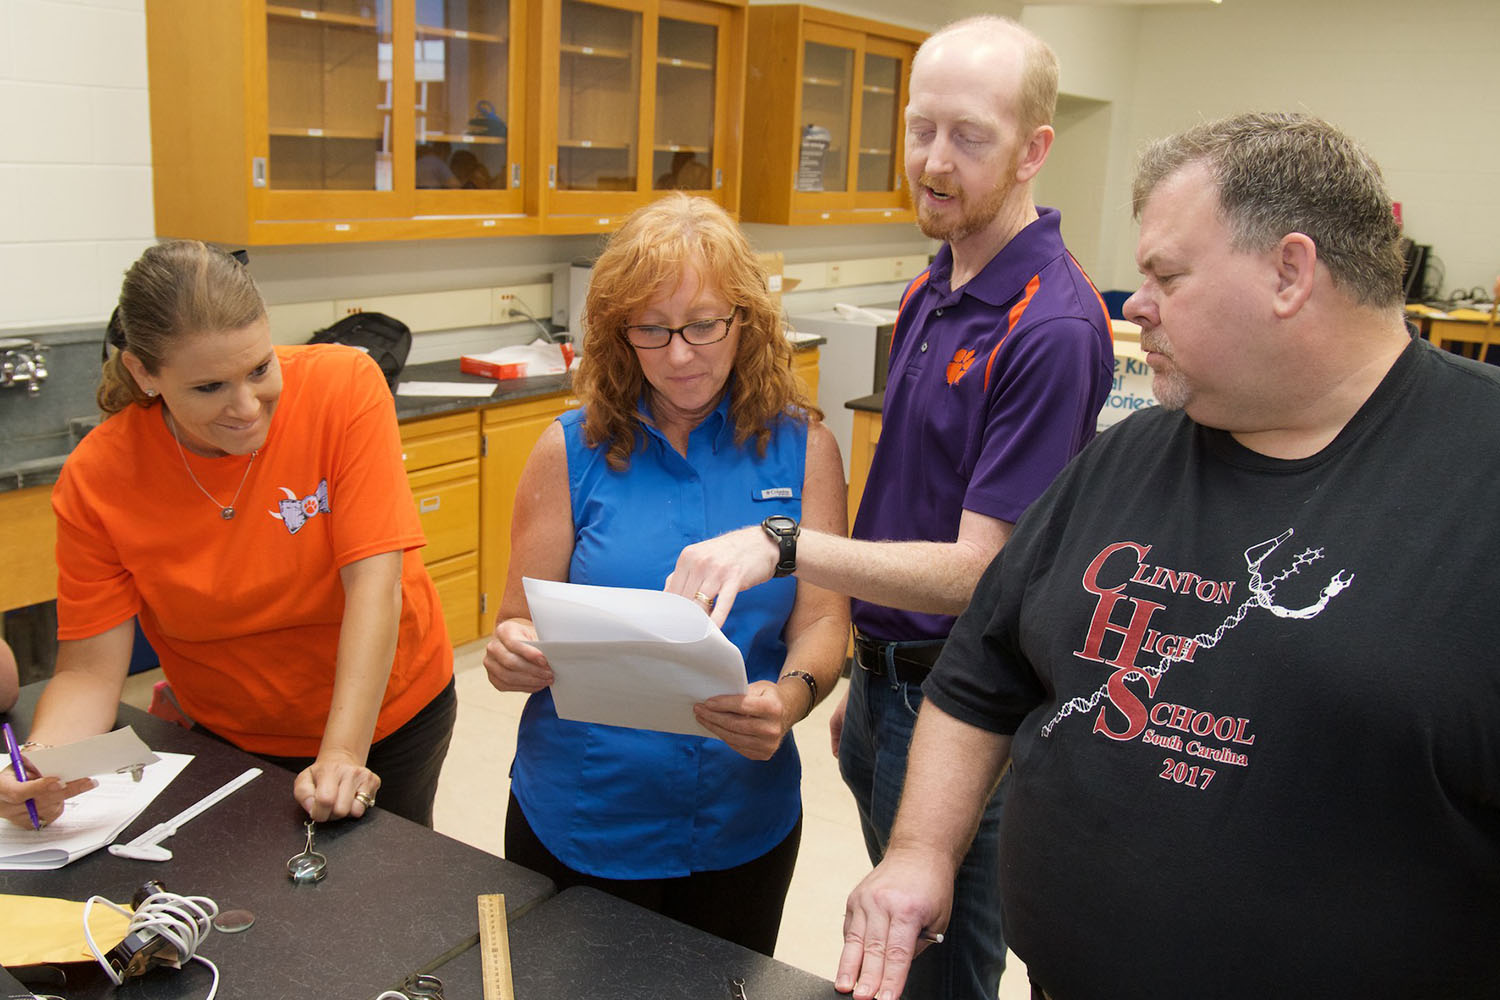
908	662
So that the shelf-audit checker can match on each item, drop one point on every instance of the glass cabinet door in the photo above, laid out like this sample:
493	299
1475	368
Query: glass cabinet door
328	101
599	99
879	131
687	68
825	117
880	180
464	122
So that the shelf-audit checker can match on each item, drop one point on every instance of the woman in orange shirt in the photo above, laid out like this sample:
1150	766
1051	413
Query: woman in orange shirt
247	504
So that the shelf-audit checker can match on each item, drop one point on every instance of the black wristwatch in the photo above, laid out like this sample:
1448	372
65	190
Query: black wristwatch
784	531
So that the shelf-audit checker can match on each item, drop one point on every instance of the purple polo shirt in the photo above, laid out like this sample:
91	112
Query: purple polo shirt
992	389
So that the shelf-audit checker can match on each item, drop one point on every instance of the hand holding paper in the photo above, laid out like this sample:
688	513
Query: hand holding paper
513	661
108	753
635	658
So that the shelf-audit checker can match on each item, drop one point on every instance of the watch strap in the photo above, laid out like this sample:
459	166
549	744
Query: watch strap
786	544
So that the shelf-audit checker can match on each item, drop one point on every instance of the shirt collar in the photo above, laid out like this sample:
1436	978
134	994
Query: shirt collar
1004	278
717	425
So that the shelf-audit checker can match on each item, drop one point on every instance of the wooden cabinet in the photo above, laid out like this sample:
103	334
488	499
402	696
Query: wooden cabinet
635	97
805	368
441	455
310	121
27	546
861	452
509	432
826	119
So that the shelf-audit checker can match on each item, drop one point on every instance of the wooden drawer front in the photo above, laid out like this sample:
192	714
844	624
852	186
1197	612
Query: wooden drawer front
434	441
448	501
27	544
457	582
805	368
540	406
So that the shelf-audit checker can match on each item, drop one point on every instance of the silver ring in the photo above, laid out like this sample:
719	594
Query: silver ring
366	798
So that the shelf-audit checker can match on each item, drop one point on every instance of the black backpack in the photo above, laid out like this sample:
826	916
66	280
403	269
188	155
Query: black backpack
382	337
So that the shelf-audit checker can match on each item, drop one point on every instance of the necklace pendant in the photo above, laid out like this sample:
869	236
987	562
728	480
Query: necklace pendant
227	513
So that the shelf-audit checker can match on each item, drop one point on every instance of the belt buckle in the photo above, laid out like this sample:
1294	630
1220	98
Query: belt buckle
869	655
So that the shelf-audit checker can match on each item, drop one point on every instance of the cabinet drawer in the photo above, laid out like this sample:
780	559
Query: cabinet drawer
439	440
457	582
448	502
26	547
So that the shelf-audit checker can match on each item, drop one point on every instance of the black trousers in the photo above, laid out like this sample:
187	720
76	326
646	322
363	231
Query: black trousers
741	904
408	761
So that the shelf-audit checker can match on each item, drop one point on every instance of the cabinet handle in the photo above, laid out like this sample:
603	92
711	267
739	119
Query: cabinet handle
515	175
552	175
718	177
258	171
429	504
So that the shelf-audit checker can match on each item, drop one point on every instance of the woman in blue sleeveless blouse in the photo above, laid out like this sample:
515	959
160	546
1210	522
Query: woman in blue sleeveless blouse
691	425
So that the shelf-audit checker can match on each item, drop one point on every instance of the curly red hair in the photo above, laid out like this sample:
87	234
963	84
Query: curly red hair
644	262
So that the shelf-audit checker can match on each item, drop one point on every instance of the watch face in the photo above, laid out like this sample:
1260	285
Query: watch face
781	524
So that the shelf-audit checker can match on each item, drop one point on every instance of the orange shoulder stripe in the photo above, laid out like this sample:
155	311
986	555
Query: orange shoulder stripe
1095	289
1016	312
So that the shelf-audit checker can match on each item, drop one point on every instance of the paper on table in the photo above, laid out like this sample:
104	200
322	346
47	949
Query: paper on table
445	389
634	658
89	821
102	754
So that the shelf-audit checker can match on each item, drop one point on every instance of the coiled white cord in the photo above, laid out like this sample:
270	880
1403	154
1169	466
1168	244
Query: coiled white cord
183	921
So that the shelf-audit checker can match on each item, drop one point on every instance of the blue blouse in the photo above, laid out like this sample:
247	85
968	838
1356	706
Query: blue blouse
630	803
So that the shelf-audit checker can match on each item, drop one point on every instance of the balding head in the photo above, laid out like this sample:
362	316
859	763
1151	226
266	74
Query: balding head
999	46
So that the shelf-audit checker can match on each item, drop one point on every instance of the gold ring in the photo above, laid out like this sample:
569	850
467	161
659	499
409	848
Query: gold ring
366	798
703	599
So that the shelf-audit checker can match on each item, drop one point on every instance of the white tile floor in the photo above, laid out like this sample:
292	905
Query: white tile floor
473	791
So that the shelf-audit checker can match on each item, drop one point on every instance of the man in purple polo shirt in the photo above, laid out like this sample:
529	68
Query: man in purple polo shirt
1000	363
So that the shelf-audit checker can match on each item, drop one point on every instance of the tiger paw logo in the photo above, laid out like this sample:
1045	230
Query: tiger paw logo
962	359
294	513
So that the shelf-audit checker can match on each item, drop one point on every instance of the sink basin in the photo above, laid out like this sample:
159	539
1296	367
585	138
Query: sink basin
34	472
41	428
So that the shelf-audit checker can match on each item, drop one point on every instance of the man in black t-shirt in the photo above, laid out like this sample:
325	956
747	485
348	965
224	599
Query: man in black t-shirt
1242	653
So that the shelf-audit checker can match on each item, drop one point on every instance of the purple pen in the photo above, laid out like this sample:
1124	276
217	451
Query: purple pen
19	767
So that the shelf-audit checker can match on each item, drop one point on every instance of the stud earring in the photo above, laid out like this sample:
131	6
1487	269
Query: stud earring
151	393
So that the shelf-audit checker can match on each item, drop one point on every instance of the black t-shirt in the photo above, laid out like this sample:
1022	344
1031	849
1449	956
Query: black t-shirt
1255	706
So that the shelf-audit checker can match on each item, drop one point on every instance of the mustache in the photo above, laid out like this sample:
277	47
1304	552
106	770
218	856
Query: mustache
937	186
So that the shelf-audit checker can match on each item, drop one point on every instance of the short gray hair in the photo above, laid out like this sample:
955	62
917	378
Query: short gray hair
1291	173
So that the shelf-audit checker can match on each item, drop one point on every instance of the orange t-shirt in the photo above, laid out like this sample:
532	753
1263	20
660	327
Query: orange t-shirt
245	613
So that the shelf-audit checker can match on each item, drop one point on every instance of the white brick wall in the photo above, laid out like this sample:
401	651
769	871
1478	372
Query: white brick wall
75	156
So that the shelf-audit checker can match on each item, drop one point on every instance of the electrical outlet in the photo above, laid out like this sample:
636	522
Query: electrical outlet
535	299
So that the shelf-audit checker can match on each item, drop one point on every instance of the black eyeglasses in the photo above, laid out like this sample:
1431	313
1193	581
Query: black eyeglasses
698	333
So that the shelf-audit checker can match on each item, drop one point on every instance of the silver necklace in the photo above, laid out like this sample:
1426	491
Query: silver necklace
227	513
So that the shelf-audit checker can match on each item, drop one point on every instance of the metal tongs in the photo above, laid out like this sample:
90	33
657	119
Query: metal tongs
309	866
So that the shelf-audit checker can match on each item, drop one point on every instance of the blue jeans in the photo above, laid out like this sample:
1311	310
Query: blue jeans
872	759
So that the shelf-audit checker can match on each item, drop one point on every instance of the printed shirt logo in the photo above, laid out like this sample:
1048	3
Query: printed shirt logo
295	513
1123	713
962	359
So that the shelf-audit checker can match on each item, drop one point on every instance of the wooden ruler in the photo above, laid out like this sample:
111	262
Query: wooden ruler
494	948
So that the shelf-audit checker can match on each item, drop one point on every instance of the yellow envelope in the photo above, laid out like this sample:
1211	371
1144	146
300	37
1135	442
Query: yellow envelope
40	929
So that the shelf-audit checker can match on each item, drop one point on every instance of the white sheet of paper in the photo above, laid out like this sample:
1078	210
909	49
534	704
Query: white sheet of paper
634	658
446	389
103	754
89	821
